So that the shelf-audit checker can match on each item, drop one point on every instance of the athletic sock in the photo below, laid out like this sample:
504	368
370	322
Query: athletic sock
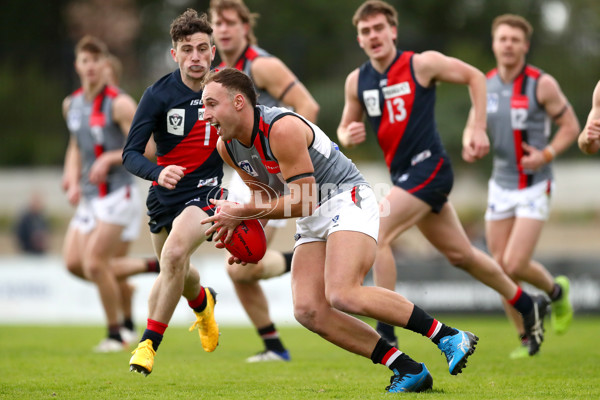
152	265
556	293
522	302
154	331
394	359
200	302
128	323
114	332
288	261
426	325
271	339
386	330
523	339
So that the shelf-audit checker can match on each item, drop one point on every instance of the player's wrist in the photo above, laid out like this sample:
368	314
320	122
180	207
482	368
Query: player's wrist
549	153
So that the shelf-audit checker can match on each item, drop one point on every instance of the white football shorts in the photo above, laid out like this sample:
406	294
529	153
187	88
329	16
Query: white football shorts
532	202
353	210
121	207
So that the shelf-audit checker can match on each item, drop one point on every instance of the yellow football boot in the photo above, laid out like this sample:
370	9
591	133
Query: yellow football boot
208	329
143	358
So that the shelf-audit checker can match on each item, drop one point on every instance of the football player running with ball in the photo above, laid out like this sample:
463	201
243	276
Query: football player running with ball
278	151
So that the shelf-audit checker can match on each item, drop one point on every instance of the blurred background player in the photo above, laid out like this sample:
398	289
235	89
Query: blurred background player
188	172
108	212
276	85
32	227
589	139
396	89
522	101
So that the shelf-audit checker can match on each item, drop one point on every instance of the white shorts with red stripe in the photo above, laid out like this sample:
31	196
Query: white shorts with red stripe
121	207
353	210
532	202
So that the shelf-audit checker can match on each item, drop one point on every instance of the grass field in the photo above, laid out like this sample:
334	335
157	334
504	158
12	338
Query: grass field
47	362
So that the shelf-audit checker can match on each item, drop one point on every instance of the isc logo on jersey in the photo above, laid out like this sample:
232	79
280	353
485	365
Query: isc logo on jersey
175	121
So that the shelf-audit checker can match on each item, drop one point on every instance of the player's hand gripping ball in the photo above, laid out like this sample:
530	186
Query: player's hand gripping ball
248	242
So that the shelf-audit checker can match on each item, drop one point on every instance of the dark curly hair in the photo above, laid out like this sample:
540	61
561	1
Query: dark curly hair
189	23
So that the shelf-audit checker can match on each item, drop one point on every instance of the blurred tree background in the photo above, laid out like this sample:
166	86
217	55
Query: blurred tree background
314	37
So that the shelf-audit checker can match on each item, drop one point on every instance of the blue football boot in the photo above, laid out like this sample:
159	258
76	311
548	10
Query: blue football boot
410	382
457	348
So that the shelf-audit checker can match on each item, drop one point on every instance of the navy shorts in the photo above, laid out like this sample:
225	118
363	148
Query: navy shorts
430	180
162	216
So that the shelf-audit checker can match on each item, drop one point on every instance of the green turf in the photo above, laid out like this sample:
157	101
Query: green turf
56	363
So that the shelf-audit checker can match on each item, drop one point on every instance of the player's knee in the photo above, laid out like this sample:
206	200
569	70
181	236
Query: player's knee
308	315
74	267
93	267
460	257
173	259
513	266
342	300
244	273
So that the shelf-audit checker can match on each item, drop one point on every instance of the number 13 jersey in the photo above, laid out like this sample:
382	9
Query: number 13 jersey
400	111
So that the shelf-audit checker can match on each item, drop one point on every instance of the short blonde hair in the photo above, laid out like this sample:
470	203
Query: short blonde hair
515	21
92	45
373	7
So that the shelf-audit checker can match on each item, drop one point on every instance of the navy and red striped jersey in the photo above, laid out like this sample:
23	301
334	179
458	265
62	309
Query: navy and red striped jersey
174	114
400	111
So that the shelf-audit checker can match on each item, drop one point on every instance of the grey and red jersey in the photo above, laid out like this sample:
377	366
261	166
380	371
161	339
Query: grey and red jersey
244	64
92	125
514	117
333	171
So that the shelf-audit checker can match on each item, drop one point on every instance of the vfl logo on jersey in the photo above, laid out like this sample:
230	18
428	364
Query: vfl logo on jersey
371	99
247	168
492	102
200	114
175	121
399	89
74	120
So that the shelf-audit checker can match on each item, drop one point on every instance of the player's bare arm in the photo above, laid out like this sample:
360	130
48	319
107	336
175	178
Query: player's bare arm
551	97
290	138
271	74
351	130
432	66
589	139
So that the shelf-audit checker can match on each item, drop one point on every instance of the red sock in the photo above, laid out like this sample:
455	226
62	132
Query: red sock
199	303
156	326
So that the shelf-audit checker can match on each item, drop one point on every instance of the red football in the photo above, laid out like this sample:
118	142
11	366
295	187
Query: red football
248	242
